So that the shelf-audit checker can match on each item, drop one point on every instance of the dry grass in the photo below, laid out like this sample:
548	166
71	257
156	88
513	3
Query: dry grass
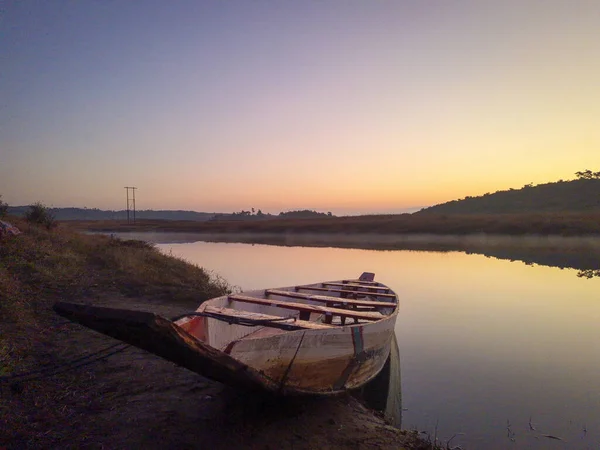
40	266
68	264
561	224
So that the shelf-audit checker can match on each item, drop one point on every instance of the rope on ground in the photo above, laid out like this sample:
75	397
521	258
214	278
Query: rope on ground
76	363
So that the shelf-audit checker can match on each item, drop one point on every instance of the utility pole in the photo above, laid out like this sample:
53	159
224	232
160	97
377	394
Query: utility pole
130	202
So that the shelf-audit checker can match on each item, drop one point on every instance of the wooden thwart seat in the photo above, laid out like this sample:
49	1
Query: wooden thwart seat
278	321
346	291
328	299
364	315
354	285
360	282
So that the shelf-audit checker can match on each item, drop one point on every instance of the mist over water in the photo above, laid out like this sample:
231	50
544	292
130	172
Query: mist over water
582	253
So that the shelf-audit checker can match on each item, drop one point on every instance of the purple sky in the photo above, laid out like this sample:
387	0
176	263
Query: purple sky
350	106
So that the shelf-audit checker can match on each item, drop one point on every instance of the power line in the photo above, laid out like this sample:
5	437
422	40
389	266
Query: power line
130	202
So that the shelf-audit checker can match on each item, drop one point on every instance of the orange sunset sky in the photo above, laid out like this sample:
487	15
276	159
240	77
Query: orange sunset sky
350	107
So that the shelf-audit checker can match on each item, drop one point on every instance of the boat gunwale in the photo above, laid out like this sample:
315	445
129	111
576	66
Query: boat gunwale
263	294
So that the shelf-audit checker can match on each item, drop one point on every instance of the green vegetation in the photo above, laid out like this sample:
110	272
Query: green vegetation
3	207
580	195
39	214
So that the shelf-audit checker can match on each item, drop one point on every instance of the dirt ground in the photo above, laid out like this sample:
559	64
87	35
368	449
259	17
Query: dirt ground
134	399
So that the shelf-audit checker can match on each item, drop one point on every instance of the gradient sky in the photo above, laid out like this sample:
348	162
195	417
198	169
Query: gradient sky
343	106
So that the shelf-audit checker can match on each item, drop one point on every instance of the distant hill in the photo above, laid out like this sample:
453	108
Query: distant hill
99	214
561	196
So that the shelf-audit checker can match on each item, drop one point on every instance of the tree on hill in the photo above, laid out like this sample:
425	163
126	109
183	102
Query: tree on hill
588	175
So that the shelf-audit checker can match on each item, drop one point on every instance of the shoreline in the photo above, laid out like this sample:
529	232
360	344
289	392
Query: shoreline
579	253
143	400
538	224
373	241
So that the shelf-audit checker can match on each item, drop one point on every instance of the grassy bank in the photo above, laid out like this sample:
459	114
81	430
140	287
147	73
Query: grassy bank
127	398
561	224
41	266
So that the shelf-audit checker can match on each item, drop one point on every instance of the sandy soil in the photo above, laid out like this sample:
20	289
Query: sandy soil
136	400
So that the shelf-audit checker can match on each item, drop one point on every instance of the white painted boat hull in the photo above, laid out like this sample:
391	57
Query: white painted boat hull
308	361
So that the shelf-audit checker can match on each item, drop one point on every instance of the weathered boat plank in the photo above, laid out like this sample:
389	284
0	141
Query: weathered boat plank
345	291
328	299
355	285
277	321
365	315
360	282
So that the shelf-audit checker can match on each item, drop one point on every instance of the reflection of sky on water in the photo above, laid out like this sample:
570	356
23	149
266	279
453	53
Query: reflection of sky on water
582	253
482	340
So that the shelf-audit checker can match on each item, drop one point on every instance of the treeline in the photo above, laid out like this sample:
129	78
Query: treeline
579	195
303	214
559	223
149	214
259	215
99	214
588	175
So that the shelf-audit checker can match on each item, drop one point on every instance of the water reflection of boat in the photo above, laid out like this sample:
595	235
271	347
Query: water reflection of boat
384	392
291	340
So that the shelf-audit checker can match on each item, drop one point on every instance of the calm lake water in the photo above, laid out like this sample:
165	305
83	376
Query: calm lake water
504	352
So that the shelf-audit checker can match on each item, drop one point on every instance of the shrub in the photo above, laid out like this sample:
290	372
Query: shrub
588	175
3	207
39	214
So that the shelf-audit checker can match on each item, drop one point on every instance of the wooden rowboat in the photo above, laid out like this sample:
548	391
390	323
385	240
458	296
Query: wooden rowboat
322	338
